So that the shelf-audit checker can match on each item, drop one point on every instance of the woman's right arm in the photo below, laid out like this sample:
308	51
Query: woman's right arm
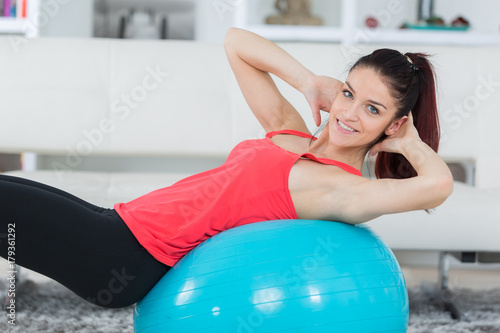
252	59
367	199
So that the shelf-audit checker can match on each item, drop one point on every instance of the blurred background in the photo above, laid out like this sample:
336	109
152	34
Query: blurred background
207	20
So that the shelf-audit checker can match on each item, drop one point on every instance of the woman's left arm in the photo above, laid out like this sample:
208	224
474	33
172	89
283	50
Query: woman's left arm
368	199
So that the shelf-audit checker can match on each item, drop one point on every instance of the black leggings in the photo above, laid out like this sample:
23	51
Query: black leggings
86	248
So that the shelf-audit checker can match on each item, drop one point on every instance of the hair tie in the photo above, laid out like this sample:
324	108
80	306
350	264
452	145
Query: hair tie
412	64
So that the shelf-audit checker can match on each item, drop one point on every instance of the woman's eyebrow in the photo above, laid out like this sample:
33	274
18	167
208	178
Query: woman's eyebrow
377	103
370	100
350	87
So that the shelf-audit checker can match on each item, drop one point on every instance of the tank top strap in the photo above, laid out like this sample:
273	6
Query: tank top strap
312	157
292	132
343	166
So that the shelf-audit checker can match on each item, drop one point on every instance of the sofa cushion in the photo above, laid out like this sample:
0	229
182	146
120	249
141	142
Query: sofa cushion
466	221
104	188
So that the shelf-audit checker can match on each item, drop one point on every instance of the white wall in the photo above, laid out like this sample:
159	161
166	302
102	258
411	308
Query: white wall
66	18
213	18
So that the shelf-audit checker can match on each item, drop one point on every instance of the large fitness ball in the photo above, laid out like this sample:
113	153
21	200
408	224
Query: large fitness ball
281	276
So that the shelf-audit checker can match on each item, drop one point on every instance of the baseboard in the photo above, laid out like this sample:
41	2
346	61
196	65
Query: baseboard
431	258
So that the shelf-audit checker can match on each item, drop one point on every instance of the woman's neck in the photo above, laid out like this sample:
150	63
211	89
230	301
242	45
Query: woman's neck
323	147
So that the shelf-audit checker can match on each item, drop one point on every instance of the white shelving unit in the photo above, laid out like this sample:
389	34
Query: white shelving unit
28	26
348	31
295	33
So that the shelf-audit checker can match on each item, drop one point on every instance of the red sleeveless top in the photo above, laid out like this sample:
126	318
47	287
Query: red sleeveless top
251	186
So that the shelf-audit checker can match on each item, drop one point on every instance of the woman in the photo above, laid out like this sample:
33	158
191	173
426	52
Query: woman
113	257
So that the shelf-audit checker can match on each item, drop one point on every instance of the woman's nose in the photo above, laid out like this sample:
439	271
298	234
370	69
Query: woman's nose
350	113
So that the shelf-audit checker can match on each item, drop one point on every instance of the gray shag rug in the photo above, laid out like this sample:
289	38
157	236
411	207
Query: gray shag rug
50	307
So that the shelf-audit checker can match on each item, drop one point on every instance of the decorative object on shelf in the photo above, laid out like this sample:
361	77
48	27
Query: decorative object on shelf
13	8
435	20
14	17
294	12
460	22
142	24
425	10
427	20
437	23
371	22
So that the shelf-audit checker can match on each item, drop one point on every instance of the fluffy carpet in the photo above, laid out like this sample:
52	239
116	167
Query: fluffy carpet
49	307
482	309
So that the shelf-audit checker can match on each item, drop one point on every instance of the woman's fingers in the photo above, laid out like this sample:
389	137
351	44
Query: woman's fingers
375	149
315	108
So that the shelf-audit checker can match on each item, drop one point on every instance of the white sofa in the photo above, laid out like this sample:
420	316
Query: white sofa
110	120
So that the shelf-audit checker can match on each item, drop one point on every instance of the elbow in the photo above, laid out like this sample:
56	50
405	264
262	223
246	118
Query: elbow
231	36
445	186
443	189
228	38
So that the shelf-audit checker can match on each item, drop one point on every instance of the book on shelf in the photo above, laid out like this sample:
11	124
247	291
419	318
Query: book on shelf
13	8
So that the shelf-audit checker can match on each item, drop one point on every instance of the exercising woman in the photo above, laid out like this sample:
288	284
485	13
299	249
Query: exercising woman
387	106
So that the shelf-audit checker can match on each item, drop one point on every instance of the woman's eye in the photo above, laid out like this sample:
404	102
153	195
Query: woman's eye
347	93
372	109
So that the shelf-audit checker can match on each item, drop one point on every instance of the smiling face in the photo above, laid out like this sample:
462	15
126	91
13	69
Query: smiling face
363	111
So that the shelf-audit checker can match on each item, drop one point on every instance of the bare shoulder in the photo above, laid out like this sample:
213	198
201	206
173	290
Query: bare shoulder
322	191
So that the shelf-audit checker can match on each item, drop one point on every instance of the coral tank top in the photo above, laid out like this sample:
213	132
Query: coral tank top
251	186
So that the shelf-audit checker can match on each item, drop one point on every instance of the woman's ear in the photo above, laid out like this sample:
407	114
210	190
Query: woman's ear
395	126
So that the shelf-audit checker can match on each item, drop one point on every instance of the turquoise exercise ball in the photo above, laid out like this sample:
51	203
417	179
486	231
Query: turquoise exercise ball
281	276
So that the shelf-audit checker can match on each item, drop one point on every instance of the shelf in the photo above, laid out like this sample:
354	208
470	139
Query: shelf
337	34
298	33
349	33
432	37
12	25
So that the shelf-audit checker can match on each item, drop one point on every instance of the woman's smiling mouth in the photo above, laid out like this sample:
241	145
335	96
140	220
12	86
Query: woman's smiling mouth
344	128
